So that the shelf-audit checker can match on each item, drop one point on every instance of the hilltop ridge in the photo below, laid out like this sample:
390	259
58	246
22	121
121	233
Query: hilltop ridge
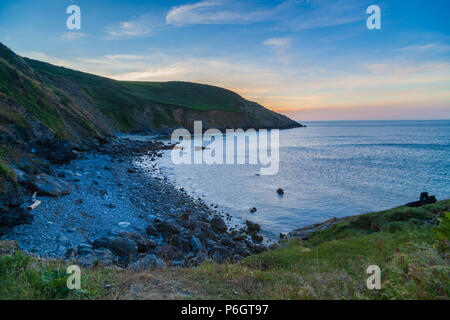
37	98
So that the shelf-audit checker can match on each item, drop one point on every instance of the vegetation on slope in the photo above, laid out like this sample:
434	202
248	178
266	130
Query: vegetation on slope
122	100
331	265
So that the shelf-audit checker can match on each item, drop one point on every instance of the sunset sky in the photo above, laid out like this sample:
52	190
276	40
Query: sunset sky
309	59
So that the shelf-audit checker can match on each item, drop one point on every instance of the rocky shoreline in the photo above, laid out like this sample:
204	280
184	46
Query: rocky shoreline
101	208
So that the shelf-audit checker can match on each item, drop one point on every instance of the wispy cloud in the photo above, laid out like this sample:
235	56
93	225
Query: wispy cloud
220	12
280	47
435	47
312	14
73	35
278	42
291	15
390	83
138	27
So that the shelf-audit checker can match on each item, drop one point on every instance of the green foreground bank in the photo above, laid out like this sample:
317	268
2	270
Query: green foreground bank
410	245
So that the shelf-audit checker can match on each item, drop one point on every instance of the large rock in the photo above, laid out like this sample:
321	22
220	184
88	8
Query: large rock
196	244
56	151
424	199
220	254
166	228
101	243
169	252
218	224
101	256
151	231
181	242
260	248
252	227
143	244
50	186
14	217
123	247
148	262
242	249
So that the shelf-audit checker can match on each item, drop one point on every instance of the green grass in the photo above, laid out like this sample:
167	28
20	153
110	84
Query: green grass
23	277
7	172
6	175
414	263
117	99
333	264
29	94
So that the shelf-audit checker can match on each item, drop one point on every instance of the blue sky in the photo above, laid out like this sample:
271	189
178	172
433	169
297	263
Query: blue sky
309	59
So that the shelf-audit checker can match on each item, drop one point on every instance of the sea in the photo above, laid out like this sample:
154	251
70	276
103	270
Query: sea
327	169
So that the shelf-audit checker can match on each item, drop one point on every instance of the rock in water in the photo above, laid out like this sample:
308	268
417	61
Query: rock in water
252	226
50	186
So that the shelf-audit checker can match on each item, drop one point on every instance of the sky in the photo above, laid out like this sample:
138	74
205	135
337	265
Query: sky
308	59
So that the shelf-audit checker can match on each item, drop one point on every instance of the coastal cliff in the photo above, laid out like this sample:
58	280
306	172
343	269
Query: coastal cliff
39	100
50	114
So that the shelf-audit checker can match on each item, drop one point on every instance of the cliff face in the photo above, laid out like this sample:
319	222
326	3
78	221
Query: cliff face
39	100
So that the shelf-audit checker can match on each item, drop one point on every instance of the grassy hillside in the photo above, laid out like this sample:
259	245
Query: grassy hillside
412	252
132	93
117	98
74	105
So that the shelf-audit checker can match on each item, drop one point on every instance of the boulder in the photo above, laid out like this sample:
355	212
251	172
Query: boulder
220	254
148	262
83	250
143	244
101	256
196	244
50	186
22	177
242	249
56	151
14	217
101	243
166	228
123	247
151	231
169	252
180	242
424	199
218	224
256	237
252	227
260	248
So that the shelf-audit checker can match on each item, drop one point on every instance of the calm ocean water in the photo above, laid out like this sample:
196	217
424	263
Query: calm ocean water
329	169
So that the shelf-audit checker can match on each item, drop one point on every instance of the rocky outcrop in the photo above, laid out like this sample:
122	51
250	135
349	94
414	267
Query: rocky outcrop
11	212
50	186
424	199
